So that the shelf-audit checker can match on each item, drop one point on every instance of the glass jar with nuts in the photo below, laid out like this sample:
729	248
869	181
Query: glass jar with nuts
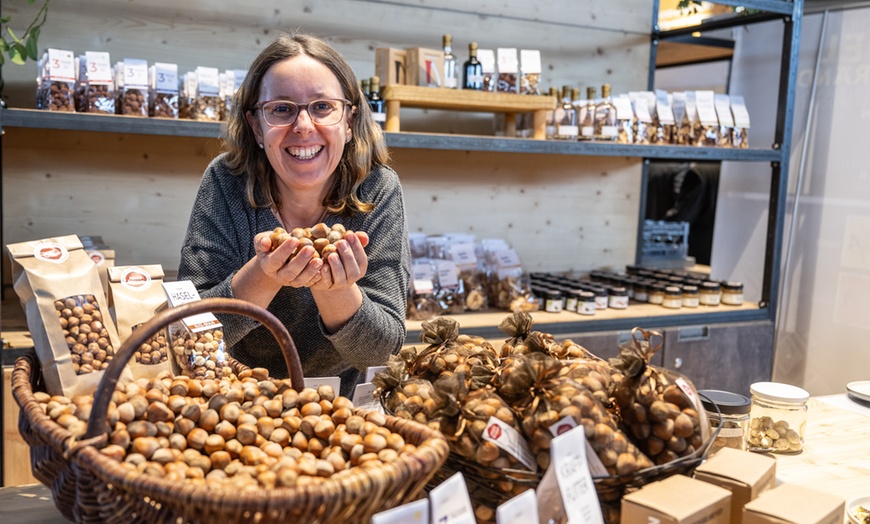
733	409
778	418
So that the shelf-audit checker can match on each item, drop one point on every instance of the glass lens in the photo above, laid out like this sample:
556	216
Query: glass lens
280	113
322	112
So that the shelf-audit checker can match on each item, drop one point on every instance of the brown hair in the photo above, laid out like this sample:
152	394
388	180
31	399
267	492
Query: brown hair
366	148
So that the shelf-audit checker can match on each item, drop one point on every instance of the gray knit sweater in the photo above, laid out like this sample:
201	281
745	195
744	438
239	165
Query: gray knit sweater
220	240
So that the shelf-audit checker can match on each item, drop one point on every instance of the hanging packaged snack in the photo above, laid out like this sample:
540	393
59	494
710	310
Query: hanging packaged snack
135	295
666	121
488	67
163	90
98	84
198	348
530	72
56	82
709	135
422	304
660	407
740	136
508	70
625	119
726	120
644	131
207	102
131	87
67	313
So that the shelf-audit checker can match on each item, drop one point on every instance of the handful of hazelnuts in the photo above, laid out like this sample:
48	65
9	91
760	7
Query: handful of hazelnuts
320	236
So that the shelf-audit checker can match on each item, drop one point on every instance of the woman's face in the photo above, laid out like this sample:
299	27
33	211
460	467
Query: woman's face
303	154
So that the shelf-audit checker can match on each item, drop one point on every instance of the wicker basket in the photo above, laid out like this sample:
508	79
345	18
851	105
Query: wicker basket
88	486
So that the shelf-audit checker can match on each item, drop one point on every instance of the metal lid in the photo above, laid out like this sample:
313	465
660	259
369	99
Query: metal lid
727	402
779	392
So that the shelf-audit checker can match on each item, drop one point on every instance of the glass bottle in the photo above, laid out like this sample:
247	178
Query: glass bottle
566	127
376	103
606	129
472	70
450	80
551	114
587	126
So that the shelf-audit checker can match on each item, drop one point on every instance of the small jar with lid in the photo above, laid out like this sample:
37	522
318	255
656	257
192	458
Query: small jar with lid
617	297
586	303
777	418
710	293
733	409
641	291
572	296
732	293
553	301
656	293
691	296
601	298
673	298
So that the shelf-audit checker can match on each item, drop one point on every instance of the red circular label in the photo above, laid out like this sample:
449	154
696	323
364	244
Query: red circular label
563	428
51	252
494	431
136	278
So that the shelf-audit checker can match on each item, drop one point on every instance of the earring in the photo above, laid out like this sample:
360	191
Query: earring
347	140
261	146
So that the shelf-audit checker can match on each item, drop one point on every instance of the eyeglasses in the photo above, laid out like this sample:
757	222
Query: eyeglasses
282	113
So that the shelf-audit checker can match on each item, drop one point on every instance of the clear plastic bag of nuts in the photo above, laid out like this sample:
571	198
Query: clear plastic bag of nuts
163	90
56	81
131	87
207	101
200	354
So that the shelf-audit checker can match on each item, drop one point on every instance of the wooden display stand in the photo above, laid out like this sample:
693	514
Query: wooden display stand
397	96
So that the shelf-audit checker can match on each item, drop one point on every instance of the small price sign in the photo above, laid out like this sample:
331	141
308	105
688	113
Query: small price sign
568	456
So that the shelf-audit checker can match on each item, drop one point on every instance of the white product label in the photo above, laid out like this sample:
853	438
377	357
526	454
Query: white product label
689	390
530	60
180	292
379	117
663	108
587	131
738	109
99	67
510	440
450	503
609	131
570	304
723	110
568	457
208	80
423	286
704	103
618	302
315	382
364	397
586	308
238	77
135	73
61	66
371	371
641	109
553	305
448	274
601	302
507	258
487	60
463	254
507	60
566	424
135	279
521	509
166	77
51	252
623	107
416	512
97	256
567	130
731	432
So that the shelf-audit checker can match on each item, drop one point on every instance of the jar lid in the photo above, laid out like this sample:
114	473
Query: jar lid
732	286
587	295
673	290
727	402
618	291
779	392
690	290
712	286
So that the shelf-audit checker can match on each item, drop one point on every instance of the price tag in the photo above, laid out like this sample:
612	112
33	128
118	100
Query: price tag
314	382
641	109
679	105
450	503
463	254
568	459
423	286
416	512
448	274
507	60
487	60
596	467
723	110
741	115
623	108
99	67
507	258
166	77
663	107
208	79
61	66
180	292
521	509
238	77
704	102
371	371
507	438
364	397
530	60
135	73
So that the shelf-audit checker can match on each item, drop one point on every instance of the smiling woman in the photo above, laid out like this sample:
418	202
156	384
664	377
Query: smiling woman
301	148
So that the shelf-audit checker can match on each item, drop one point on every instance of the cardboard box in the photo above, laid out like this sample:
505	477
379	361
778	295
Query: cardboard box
424	67
794	504
677	500
390	65
743	473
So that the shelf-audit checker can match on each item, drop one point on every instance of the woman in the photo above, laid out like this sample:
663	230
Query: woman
302	148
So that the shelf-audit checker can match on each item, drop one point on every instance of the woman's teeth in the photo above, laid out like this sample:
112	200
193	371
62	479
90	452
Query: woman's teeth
304	153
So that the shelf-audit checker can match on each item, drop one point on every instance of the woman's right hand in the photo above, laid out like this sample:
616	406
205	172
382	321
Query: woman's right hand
285	268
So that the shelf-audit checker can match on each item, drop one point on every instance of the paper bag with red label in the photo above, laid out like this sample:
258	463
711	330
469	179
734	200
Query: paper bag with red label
67	313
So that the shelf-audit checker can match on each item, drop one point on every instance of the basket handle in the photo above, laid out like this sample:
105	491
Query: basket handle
97	423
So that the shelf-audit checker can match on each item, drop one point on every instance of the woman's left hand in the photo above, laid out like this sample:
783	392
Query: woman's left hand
347	265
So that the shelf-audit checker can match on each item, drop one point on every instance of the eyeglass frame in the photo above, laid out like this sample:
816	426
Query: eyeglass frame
346	104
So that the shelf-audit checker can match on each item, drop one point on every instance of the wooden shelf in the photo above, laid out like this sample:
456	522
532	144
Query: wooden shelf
31	118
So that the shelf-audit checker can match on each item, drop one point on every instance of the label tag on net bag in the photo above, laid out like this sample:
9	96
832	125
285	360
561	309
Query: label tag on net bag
571	471
450	503
521	509
507	438
416	512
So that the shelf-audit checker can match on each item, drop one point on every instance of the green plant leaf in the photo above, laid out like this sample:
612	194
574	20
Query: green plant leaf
5	19
14	37
32	45
18	54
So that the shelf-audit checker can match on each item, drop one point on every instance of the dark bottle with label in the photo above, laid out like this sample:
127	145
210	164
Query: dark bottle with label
376	103
472	70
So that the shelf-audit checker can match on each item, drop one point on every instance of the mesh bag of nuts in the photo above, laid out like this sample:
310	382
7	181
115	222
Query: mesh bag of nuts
404	396
67	313
660	408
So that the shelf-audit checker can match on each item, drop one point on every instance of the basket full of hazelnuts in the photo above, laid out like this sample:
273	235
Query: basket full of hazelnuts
242	447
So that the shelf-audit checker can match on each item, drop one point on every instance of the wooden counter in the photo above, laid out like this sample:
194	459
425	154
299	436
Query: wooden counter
835	459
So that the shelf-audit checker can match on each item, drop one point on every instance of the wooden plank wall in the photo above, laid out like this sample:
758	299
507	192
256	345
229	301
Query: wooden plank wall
561	212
